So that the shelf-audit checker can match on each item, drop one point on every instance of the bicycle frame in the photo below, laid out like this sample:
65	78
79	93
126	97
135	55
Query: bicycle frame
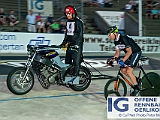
147	83
128	82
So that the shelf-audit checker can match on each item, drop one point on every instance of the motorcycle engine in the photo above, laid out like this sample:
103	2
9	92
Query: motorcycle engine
46	75
49	73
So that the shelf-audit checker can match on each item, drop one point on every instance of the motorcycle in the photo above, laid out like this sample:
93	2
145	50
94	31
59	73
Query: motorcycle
45	63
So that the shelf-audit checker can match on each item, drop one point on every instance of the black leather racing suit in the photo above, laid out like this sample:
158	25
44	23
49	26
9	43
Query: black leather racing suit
74	36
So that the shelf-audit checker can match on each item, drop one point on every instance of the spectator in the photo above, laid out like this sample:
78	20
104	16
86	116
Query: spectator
2	17
87	3
12	18
149	3
134	4
50	18
62	27
41	26
48	22
31	21
95	3
100	3
55	27
128	7
47	27
38	22
107	3
148	12
154	13
38	18
155	3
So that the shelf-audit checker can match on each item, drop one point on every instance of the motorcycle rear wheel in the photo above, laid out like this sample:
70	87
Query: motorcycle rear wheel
85	79
15	82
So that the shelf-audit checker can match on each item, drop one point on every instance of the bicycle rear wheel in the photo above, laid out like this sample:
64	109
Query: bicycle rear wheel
109	89
148	91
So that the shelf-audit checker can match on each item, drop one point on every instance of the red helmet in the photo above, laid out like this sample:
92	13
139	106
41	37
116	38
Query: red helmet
70	10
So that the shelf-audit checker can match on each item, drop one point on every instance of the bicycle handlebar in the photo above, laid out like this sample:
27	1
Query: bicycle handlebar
110	62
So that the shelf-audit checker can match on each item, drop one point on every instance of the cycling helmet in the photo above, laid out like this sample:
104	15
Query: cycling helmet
112	29
70	9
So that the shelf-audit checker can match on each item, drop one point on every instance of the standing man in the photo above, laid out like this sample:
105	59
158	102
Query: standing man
74	38
132	54
31	22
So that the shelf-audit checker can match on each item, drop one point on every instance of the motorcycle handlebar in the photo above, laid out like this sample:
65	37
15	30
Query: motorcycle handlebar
55	46
52	46
41	48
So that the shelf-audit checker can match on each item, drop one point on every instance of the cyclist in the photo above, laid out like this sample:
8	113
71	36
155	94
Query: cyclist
74	38
132	54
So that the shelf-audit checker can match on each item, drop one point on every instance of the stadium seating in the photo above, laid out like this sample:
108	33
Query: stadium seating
152	26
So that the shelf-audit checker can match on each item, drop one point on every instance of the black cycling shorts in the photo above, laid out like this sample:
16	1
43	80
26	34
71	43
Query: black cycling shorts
133	59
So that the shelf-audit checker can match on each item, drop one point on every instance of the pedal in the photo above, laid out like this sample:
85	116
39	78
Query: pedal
152	87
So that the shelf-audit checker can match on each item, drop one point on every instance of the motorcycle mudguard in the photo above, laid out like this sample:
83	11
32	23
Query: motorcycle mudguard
74	80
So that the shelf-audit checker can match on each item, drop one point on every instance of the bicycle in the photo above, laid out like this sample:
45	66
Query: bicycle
149	83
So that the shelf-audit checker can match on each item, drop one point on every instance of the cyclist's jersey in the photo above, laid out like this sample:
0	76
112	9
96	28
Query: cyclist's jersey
124	41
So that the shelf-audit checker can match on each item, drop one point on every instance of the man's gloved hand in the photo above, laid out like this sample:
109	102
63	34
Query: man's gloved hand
121	62
110	62
76	46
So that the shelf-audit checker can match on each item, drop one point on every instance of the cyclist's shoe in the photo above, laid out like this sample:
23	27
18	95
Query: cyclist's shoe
135	91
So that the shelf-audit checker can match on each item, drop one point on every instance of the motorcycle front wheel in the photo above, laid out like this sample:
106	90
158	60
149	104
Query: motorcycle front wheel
17	83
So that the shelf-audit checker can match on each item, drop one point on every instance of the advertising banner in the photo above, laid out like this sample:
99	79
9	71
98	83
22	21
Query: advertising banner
13	42
102	43
113	18
133	107
40	6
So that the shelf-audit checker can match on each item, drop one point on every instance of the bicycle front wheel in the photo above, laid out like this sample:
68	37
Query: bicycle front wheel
145	86
109	89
